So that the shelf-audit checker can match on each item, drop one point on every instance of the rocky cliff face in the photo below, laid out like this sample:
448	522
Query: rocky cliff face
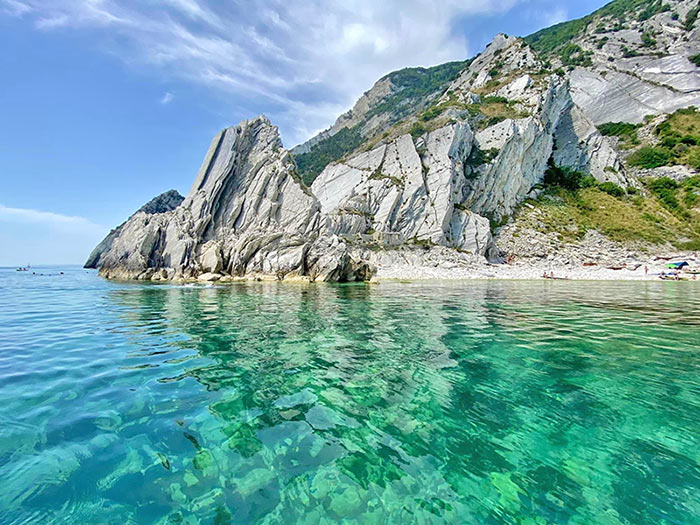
247	213
431	159
629	59
407	191
162	203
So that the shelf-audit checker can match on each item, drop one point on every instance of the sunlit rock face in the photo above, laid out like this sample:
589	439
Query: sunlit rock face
432	159
638	68
162	203
246	214
408	191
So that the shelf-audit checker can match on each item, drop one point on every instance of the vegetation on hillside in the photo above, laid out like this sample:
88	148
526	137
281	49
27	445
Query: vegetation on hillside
677	197
489	112
678	142
566	177
411	87
416	83
572	55
626	132
665	213
691	18
573	203
553	39
311	163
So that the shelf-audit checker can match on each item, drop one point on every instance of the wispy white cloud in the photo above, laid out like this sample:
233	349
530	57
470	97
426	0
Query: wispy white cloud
62	223
14	7
167	98
302	63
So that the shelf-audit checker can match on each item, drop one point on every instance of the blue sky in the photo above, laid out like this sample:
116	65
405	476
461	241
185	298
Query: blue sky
107	103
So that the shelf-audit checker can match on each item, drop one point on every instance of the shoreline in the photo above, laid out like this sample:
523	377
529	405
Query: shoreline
601	265
524	273
500	272
441	264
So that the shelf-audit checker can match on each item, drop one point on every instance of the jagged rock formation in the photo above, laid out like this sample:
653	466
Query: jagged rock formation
407	192
394	97
423	164
162	203
247	213
538	112
629	63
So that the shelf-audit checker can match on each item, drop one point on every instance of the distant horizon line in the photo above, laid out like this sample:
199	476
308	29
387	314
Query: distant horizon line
11	267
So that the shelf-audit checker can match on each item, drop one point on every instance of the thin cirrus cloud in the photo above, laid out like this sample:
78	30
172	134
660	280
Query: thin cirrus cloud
64	224
302	63
167	98
14	7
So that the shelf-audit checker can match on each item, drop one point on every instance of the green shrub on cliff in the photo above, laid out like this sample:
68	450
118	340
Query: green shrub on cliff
611	189
626	132
650	157
691	18
679	142
311	163
417	129
562	176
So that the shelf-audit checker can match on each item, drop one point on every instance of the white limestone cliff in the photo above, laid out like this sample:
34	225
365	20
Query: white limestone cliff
245	214
418	187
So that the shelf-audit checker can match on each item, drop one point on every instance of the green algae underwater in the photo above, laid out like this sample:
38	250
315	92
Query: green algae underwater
479	402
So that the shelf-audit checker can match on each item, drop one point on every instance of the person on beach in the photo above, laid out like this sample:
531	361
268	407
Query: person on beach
646	270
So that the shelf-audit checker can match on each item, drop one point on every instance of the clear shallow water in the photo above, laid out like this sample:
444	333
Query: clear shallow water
484	402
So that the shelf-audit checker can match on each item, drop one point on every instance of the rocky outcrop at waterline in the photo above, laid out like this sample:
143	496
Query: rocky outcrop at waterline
164	202
246	214
428	160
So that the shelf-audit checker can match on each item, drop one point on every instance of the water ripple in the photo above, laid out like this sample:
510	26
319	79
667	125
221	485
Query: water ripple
483	402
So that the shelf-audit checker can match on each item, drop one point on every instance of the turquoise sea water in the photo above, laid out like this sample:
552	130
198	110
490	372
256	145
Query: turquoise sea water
481	402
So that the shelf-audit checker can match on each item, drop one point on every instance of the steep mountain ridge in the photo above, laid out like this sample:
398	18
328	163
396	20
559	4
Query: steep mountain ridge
429	162
393	97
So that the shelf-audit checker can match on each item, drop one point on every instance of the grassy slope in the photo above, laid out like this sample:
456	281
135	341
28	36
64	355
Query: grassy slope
665	212
631	218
